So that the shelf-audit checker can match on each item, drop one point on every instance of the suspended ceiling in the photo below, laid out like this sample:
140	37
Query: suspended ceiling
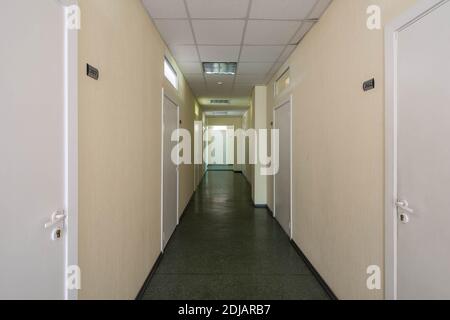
258	34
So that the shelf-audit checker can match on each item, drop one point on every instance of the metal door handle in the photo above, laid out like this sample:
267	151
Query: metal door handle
404	205
57	217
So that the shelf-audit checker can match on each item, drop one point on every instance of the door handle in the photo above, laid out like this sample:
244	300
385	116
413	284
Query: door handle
57	217
404	205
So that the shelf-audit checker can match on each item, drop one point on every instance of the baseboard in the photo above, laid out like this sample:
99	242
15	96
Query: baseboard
316	274
141	293
187	206
158	261
261	206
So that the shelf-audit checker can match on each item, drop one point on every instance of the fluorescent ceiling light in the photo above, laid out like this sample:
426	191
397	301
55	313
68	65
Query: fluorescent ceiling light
225	68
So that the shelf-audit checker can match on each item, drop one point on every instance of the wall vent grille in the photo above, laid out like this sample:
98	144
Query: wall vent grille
218	101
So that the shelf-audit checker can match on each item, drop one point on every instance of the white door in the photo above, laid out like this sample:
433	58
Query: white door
217	151
170	172
229	146
423	171
198	146
32	144
282	181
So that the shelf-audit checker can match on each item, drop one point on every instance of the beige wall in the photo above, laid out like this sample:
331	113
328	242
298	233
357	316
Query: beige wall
201	168
119	147
259	110
247	123
225	121
338	144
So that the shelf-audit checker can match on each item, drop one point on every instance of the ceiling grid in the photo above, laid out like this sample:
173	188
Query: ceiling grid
257	34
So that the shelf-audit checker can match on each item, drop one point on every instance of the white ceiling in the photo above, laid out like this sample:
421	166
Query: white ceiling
258	34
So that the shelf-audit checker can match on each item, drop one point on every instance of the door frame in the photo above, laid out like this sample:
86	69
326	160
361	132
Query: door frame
392	30
71	147
277	107
166	96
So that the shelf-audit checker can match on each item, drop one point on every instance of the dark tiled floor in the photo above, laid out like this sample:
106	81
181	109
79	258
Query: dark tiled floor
226	249
220	167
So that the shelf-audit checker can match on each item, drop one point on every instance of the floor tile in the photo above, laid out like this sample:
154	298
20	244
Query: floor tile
226	249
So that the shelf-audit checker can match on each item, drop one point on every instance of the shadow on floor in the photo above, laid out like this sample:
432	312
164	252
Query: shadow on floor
225	249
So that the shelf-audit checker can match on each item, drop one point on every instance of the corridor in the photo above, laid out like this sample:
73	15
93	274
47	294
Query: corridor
226	249
224	150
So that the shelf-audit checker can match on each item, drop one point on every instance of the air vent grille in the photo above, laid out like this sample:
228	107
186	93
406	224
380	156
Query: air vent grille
221	113
220	101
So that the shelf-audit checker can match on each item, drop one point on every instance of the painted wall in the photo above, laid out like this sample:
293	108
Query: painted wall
200	168
338	144
259	117
120	147
247	123
224	121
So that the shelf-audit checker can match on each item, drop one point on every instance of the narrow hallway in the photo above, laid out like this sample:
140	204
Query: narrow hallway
226	249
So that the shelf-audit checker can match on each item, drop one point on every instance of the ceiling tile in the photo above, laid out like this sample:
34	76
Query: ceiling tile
219	53
221	9
167	9
242	91
261	53
194	77
198	88
281	9
196	82
200	91
245	80
319	9
190	67
265	32
197	85
254	68
218	32
175	31
306	26
215	90
213	79
287	52
184	53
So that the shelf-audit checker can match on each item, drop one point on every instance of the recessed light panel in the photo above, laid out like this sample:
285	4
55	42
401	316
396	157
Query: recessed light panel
220	68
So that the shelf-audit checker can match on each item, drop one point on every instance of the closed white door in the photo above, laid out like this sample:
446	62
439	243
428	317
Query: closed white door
282	122
218	145
170	172
424	157
32	149
198	152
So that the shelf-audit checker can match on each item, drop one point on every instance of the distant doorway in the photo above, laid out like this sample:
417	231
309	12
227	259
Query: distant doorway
283	179
220	146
